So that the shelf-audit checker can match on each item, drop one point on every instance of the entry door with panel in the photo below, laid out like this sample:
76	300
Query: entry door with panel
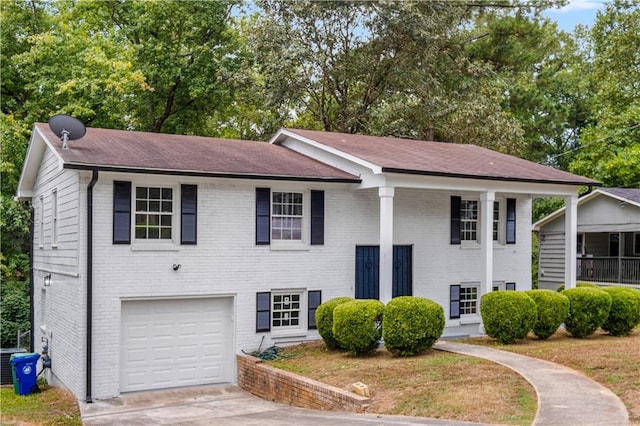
368	276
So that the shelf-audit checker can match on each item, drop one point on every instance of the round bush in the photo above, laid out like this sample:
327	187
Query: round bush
357	325
508	315
578	284
411	325
588	309
624	315
324	320
553	309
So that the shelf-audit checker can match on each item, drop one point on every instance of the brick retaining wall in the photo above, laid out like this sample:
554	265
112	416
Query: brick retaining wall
284	387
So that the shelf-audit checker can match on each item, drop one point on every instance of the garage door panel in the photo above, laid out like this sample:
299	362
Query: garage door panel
168	343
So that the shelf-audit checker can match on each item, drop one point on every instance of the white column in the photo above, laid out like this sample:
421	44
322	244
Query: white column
570	240
486	241
386	242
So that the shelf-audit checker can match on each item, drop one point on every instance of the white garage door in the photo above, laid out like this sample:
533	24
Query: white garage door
177	342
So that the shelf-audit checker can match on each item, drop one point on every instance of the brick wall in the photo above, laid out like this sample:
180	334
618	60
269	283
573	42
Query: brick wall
284	387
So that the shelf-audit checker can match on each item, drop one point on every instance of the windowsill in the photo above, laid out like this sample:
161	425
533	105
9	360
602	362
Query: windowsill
155	246
474	245
54	246
471	319
282	334
288	246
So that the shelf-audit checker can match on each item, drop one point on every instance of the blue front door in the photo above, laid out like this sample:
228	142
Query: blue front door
368	267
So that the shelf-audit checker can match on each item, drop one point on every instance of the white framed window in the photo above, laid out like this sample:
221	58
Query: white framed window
496	221
154	207
286	310
287	216
469	299
54	218
469	220
41	224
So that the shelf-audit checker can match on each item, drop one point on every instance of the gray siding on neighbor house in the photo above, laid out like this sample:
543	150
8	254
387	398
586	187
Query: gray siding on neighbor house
551	260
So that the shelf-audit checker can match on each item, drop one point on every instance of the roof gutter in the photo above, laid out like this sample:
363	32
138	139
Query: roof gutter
497	178
195	173
92	183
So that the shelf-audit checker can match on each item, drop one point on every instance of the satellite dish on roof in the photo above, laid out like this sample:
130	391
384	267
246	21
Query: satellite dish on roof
67	128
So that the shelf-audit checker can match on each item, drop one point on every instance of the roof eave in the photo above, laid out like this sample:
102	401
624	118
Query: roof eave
494	178
200	173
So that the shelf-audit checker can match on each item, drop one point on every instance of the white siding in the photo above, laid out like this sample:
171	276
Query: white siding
59	308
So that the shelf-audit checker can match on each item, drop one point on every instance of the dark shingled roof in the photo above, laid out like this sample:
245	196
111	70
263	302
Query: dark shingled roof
107	149
630	194
441	159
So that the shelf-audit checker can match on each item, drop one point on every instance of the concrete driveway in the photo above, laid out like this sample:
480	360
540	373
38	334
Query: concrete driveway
225	405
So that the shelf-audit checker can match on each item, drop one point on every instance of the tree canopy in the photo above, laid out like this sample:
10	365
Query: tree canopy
496	74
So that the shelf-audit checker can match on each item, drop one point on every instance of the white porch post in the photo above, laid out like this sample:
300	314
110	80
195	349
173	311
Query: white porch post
570	240
386	194
486	241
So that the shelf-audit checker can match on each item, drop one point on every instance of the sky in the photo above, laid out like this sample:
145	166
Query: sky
576	12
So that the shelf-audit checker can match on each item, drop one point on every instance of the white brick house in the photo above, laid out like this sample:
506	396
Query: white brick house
187	250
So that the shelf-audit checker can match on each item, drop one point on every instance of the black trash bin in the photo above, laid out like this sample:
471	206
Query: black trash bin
6	377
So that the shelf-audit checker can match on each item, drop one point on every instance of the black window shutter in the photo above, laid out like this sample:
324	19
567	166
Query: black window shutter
315	299
317	218
454	301
121	212
511	220
263	311
455	219
510	286
189	214
263	213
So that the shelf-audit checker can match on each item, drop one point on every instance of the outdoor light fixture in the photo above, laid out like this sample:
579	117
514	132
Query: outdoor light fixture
47	280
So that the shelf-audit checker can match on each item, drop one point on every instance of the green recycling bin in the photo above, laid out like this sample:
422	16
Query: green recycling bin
23	368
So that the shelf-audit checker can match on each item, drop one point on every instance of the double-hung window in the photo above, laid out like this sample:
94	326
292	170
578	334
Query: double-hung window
154	213
464	300
469	220
287	216
466	216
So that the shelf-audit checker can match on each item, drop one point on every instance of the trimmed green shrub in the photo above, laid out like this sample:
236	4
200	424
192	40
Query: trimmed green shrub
508	315
624	315
588	309
324	320
578	284
553	309
411	325
357	325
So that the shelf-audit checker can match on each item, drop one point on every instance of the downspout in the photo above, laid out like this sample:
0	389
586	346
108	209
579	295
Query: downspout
92	183
32	347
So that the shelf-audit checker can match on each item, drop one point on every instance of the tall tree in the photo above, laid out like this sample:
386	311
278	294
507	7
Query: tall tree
610	147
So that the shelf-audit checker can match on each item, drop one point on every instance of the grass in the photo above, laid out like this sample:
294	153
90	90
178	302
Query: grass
436	384
51	406
614	362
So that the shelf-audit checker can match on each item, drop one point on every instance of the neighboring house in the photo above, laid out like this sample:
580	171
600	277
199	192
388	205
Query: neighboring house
167	255
608	240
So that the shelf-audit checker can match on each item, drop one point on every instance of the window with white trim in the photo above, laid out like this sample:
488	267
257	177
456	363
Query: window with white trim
54	217
496	220
41	230
286	310
287	216
153	213
469	220
469	299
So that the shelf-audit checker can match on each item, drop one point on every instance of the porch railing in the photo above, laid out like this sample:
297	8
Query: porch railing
624	270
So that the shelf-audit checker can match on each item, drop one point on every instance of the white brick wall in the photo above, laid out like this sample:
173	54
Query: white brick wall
226	262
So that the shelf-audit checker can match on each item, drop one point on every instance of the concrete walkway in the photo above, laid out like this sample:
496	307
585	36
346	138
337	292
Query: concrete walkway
565	397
